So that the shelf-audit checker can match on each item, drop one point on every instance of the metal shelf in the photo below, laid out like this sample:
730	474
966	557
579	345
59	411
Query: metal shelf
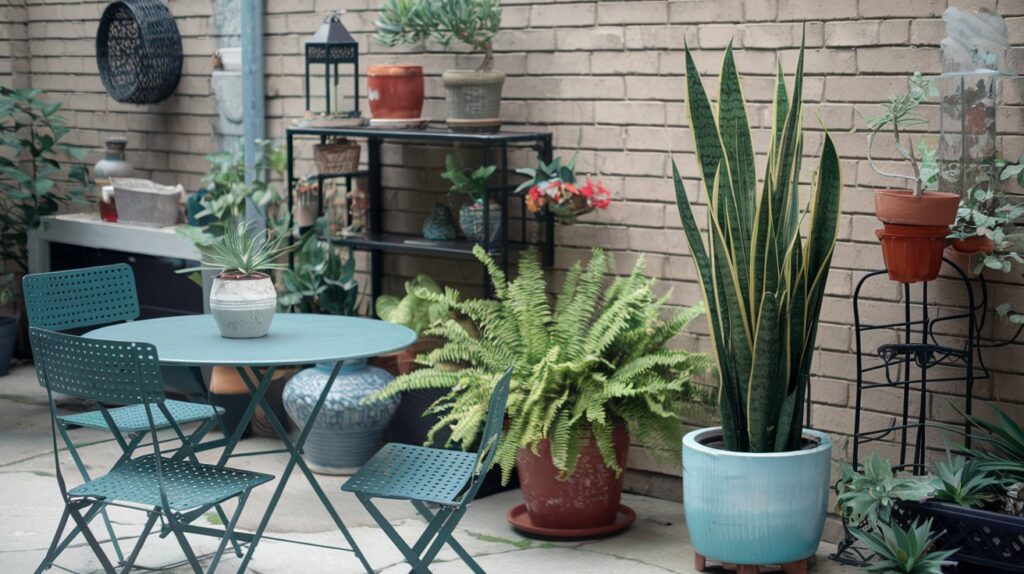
407	243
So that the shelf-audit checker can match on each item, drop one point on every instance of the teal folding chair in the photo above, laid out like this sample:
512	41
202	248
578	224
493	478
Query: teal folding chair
447	478
164	487
80	299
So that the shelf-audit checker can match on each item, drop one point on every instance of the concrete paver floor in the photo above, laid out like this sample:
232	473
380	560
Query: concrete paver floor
30	507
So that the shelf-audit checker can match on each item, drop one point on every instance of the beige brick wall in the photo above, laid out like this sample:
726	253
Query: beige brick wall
608	75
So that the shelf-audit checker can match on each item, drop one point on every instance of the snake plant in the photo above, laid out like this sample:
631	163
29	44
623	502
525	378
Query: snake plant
765	261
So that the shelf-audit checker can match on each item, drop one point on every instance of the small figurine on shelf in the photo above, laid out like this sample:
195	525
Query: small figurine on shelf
440	224
554	185
307	202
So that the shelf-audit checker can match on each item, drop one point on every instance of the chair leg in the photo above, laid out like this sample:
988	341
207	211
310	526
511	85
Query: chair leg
85	476
425	513
83	526
126	566
443	536
229	531
51	553
175	527
411	556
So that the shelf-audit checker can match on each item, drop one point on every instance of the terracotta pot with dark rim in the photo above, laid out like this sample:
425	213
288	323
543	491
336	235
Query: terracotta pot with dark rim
395	91
586	501
973	244
915	231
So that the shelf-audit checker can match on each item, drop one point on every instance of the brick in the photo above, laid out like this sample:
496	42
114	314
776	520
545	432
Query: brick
899	60
632	12
704	11
631	62
927	31
562	15
719	36
591	39
804	10
858	33
890	9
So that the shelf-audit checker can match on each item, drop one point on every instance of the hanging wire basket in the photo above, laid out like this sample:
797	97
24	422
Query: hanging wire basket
138	51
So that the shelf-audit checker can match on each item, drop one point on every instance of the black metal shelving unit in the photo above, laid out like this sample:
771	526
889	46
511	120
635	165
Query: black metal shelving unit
378	242
925	338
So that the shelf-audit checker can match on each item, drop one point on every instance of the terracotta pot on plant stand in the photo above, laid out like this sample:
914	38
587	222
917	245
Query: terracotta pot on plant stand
964	252
587	505
915	231
395	91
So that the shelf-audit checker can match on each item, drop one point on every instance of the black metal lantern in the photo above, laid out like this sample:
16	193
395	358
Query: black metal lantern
332	45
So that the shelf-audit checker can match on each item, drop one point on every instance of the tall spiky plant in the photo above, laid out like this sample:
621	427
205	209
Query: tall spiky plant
763	280
594	360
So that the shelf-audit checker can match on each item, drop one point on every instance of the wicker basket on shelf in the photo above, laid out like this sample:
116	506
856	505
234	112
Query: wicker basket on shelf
336	156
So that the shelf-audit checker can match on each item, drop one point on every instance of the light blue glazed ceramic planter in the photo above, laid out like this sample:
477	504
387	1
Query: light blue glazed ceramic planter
347	432
755	508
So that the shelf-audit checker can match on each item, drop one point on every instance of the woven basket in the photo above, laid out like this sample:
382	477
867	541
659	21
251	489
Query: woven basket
138	51
341	156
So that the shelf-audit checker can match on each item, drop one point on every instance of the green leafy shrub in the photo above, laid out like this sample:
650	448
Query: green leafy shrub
417	310
320	281
472	22
594	360
472	182
33	163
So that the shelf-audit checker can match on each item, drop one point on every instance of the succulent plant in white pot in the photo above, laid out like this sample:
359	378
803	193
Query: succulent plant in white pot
243	297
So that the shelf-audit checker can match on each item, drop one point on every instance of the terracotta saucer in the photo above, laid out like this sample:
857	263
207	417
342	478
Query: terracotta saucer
520	521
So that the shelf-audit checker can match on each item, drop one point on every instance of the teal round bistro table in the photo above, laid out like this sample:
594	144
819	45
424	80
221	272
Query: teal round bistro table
294	339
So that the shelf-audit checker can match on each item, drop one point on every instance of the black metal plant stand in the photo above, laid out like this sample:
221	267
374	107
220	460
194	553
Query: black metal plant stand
376	241
926	339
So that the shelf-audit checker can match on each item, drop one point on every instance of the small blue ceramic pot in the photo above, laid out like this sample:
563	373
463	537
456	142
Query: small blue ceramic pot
347	432
755	508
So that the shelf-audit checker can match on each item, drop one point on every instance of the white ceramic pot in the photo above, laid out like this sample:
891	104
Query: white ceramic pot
243	306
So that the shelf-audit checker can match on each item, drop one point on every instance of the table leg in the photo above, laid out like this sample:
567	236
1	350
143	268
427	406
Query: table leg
295	458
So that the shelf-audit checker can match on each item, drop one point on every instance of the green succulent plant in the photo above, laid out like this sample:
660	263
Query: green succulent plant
241	252
904	550
999	445
416	310
869	495
965	482
898	114
472	22
763	280
593	361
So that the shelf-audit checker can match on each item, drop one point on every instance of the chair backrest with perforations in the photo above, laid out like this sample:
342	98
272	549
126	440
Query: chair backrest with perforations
107	371
88	297
492	433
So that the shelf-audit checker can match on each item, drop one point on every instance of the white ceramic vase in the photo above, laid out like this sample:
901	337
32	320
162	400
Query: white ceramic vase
243	306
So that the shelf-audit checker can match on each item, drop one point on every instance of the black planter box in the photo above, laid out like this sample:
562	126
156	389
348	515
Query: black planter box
989	542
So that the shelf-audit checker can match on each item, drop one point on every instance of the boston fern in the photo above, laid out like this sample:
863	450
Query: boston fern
765	262
594	360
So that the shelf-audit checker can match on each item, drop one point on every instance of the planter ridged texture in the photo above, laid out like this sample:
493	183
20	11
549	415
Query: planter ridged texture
912	253
764	508
474	99
346	432
588	500
395	91
471	221
243	308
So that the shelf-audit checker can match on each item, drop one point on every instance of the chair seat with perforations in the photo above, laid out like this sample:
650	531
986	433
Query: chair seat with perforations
188	485
408	472
132	418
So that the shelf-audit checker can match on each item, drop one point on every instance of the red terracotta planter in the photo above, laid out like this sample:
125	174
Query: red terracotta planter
395	91
974	244
915	232
588	500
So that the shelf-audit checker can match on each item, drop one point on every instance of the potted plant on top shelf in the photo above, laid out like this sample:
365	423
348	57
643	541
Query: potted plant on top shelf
589	371
474	96
764	281
916	221
554	186
473	183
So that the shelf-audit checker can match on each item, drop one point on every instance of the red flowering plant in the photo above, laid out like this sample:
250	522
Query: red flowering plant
555	186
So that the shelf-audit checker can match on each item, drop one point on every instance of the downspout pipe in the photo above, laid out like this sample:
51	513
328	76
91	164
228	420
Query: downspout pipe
254	119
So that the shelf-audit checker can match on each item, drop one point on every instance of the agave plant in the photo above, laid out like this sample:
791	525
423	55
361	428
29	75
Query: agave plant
868	496
1002	444
904	551
763	279
242	253
593	361
966	482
